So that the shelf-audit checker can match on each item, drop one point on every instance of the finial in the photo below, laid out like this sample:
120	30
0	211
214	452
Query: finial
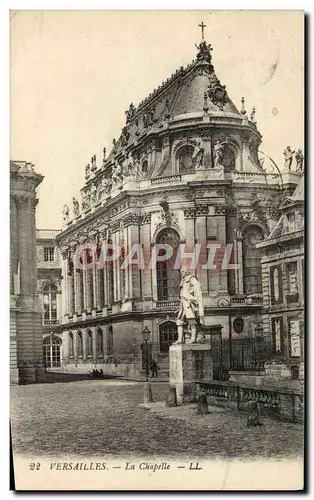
252	116
104	154
114	142
243	112
202	26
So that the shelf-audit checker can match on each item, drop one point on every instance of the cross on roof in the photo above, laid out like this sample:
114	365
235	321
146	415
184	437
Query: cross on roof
202	26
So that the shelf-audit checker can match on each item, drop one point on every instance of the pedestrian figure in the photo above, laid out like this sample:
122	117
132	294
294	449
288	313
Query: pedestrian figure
154	368
253	416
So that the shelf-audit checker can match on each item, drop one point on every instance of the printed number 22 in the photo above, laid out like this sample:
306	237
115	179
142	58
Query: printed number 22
34	466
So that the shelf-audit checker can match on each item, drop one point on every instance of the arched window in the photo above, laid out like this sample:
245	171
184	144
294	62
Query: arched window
110	278
252	272
168	278
89	343
144	168
50	304
109	340
100	342
185	159
167	335
71	345
52	351
228	158
79	344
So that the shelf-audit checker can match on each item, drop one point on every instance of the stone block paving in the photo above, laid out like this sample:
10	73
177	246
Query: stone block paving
106	418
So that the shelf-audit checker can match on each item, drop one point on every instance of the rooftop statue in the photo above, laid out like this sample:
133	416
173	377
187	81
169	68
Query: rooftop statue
65	213
76	207
288	154
191	311
299	158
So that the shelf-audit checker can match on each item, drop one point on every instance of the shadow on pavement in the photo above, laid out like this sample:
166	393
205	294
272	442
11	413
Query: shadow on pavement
55	378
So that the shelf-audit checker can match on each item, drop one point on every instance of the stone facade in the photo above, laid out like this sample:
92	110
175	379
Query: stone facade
185	170
283	285
49	290
26	363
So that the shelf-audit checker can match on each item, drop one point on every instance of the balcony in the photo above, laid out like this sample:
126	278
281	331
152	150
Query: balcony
48	322
168	304
252	300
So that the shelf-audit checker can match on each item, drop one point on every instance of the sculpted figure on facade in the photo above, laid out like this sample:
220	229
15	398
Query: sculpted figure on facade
85	200
76	207
117	175
87	171
93	194
299	158
288	154
191	311
198	155
105	187
218	153
65	213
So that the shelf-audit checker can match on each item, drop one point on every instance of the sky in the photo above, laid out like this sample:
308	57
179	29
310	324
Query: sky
74	73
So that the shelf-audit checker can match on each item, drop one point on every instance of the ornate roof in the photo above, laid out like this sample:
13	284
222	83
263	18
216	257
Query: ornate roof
194	89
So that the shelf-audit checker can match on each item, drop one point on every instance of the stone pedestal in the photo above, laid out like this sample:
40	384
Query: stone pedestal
189	363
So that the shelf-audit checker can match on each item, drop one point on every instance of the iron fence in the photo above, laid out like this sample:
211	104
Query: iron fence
247	355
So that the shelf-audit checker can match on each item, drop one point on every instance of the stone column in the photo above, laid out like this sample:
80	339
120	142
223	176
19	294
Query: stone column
74	345
94	338
96	285
65	347
221	236
239	271
146	272
70	294
84	333
14	249
87	287
134	271
165	154
207	145
201	237
64	285
23	227
77	291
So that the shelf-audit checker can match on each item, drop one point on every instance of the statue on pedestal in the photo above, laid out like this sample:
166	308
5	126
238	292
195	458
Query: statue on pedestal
191	311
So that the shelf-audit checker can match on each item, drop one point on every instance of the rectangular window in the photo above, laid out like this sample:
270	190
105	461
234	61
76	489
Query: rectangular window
292	277
291	222
294	336
276	284
277	331
49	254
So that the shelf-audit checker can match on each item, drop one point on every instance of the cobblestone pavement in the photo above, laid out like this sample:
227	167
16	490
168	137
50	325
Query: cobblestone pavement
104	418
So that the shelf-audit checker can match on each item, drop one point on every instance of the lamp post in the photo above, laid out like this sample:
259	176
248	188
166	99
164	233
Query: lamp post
148	398
223	302
146	335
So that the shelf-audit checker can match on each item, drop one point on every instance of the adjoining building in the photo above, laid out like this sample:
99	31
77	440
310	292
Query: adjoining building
283	288
26	354
49	289
186	170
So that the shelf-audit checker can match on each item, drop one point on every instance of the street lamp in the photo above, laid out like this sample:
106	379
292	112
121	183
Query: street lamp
223	302
146	336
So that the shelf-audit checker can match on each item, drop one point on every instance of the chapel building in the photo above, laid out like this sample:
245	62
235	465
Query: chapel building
186	170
